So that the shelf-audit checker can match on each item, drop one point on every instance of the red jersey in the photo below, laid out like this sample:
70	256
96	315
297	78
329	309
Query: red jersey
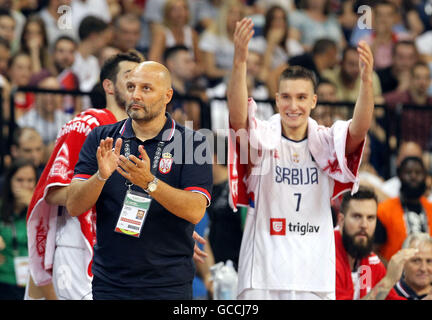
41	216
370	271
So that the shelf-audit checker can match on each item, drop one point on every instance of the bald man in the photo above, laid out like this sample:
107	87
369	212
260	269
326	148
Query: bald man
147	162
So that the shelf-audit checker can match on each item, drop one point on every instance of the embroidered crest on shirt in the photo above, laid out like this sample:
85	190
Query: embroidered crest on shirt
277	226
165	163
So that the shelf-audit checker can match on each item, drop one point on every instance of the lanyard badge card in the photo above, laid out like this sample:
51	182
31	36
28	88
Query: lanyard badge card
136	204
133	213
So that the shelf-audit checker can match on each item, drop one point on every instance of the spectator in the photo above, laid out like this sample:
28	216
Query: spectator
34	42
126	32
51	16
397	76
314	21
383	38
323	56
5	53
47	116
369	176
207	13
406	149
175	30
20	181
27	144
180	63
19	70
413	122
256	89
64	58
415	283
409	213
19	18
326	114
7	26
359	272
276	44
93	36
346	77
217	42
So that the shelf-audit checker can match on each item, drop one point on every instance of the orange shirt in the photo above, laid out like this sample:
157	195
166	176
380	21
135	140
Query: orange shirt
391	215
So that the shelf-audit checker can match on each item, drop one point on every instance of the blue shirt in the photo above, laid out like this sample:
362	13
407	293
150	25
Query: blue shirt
162	255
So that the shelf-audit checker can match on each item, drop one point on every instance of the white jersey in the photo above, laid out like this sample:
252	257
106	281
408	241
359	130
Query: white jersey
288	240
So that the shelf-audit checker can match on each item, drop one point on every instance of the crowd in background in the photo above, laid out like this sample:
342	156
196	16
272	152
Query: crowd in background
194	39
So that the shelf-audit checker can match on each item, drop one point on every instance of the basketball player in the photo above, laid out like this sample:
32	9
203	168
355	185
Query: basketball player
293	168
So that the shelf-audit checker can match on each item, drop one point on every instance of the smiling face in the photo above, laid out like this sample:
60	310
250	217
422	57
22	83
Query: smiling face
295	100
418	269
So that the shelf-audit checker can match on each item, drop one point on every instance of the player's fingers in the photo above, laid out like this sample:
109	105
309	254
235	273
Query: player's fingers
143	153
117	147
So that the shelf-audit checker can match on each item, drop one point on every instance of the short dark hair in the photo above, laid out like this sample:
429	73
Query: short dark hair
299	72
406	160
64	38
110	68
171	51
6	12
323	45
89	25
363	193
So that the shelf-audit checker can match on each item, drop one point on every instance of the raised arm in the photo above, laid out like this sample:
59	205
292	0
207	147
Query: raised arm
363	111
237	88
83	194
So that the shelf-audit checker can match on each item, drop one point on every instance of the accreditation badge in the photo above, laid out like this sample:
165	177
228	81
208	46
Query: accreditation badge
133	213
21	265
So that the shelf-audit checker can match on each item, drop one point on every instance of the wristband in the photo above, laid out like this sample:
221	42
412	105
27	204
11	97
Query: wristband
98	176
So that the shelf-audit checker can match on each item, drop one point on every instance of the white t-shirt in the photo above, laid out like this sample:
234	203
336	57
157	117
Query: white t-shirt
221	47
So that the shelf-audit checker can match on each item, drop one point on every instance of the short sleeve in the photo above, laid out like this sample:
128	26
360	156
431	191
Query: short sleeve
208	42
87	161
196	175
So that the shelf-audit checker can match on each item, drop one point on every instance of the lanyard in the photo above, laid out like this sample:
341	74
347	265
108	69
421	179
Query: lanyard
155	162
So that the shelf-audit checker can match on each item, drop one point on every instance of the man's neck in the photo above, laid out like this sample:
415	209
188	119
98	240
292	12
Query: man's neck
145	130
118	112
296	134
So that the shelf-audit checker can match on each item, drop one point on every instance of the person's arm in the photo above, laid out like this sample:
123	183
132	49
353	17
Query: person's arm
83	194
185	204
237	94
211	70
157	46
57	195
394	272
363	111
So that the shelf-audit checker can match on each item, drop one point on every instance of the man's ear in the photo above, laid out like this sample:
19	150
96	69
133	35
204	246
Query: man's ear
108	86
315	100
340	219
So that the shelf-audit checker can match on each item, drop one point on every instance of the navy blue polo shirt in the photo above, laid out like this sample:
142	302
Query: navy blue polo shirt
162	255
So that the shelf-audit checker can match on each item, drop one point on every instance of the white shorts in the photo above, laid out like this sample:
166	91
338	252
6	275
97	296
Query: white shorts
70	278
258	294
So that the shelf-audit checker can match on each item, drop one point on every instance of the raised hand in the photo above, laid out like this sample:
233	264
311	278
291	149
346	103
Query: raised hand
397	262
242	35
107	157
135	170
366	61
